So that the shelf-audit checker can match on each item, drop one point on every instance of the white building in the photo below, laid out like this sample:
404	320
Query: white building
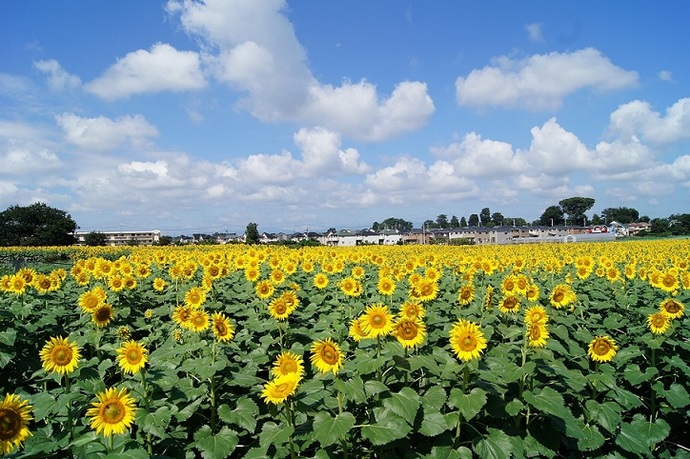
122	238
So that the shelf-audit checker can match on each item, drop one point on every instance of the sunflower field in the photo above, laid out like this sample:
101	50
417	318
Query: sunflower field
563	350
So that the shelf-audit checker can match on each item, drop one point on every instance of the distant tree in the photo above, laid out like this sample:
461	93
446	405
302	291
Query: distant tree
644	218
252	233
576	207
514	221
553	215
376	226
36	225
454	222
333	230
429	224
165	240
474	220
485	216
463	222
597	220
680	223
442	221
95	238
393	223
623	215
659	225
497	219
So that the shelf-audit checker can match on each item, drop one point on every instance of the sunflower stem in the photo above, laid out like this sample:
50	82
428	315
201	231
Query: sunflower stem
214	408
145	397
652	394
68	390
290	415
111	443
378	354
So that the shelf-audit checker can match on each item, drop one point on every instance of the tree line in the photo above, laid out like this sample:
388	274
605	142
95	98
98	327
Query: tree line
41	225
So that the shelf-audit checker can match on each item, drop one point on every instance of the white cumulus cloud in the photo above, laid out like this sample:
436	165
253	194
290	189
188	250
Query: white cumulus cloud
163	68
103	134
540	81
638	118
252	47
58	78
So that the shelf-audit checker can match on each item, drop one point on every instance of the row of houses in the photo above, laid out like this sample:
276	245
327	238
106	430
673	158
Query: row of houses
349	238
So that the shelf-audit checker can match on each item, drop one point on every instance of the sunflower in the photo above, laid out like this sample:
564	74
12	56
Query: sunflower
377	320
60	356
132	357
277	277
508	285
409	332
113	413
27	274
412	310
280	388
658	323
466	294
182	315
350	287
669	281
287	363
386	285
199	320
17	284
320	281
102	315
265	289
536	315
467	340
532	293
130	282
5	283
90	300
672	308
15	415
356	330
425	290
252	273
222	328
562	295
195	297
510	305
42	283
326	356
159	284
489	298
358	272
279	309
116	283
602	349
537	334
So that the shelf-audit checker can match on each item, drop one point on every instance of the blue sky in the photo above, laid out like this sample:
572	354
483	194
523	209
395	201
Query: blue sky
189	116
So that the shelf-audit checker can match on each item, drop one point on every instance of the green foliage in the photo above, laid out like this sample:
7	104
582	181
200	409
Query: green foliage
36	225
202	398
95	238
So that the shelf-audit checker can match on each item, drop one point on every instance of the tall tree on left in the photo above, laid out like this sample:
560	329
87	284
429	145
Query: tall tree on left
36	225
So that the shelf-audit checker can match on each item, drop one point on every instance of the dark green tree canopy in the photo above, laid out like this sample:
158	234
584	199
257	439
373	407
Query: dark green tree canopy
576	207
95	238
442	221
485	216
474	220
36	225
392	223
454	222
252	233
463	222
620	214
553	215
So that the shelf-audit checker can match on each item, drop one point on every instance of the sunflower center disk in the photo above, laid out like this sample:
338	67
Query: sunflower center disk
10	424
113	412
61	355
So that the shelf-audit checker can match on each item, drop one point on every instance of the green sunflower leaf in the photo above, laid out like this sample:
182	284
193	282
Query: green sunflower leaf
218	446
328	429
